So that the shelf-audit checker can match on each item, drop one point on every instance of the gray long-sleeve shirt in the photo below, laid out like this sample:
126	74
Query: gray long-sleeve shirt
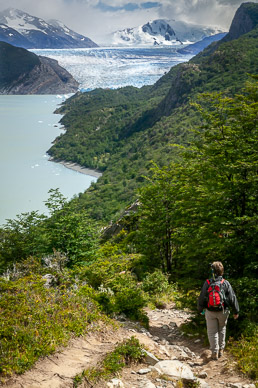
231	299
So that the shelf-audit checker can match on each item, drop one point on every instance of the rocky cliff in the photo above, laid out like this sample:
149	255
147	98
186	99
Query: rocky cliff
22	72
245	19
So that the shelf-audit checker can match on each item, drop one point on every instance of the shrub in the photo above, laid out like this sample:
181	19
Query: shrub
34	320
129	351
117	290
156	283
245	351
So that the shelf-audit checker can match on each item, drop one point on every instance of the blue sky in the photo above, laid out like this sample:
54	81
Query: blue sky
97	18
130	7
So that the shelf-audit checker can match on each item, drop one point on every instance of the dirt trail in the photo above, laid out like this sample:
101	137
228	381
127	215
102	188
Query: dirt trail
164	340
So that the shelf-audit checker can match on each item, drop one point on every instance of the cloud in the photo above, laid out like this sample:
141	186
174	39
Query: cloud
208	12
97	18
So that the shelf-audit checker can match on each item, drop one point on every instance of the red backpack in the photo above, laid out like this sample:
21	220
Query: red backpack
216	296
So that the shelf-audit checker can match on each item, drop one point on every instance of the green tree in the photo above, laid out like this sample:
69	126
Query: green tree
204	208
68	230
225	161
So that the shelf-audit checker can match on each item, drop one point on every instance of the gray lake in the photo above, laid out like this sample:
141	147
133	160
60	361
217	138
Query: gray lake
28	126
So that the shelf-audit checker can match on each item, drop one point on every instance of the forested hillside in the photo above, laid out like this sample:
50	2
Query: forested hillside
121	131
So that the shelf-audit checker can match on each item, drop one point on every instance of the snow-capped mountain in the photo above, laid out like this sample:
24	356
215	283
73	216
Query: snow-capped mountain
163	32
23	30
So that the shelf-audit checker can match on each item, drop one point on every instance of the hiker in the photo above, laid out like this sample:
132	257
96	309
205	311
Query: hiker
216	297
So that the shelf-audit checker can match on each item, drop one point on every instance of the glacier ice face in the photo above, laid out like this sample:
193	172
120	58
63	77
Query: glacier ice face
116	67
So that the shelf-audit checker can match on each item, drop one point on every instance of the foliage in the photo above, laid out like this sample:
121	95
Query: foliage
245	351
203	208
121	131
35	320
68	230
128	352
117	289
196	168
156	283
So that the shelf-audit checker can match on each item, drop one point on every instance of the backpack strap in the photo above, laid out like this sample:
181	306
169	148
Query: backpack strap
222	281
209	281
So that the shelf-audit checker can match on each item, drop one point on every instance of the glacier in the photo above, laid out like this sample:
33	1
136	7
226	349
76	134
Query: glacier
110	67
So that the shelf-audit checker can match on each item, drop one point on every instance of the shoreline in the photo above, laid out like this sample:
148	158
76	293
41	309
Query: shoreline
78	168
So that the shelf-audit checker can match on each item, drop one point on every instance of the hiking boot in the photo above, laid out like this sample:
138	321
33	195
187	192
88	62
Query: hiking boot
214	356
221	351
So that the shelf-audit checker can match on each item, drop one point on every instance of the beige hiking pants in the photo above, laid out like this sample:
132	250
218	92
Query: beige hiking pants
216	328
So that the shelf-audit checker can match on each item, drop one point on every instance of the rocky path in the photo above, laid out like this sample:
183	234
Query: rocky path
171	353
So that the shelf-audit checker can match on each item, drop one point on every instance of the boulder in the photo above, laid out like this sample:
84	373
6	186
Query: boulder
150	358
202	383
115	383
175	369
146	384
144	371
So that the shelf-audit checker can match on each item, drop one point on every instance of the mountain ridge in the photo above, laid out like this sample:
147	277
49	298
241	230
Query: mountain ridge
163	32
24	30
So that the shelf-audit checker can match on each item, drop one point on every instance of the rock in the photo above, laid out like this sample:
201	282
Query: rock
249	386
202	384
189	352
150	358
154	369
144	371
146	384
196	341
155	338
176	369
235	385
163	341
206	355
182	352
203	375
165	351
179	353
50	280
115	383
121	317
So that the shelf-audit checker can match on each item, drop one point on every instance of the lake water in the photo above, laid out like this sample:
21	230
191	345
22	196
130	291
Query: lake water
28	125
27	128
